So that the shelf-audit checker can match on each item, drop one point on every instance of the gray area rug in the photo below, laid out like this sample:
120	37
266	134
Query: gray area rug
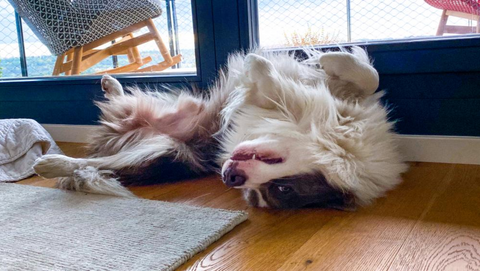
49	229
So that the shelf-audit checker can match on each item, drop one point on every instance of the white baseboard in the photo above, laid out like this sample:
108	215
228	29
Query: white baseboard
441	149
69	133
437	149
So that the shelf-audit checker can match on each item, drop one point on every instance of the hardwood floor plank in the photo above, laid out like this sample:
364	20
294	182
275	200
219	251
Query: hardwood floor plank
370	238
77	150
447	237
201	190
262	246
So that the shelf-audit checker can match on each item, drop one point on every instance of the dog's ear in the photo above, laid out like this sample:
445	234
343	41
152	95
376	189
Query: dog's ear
263	78
328	196
258	68
346	202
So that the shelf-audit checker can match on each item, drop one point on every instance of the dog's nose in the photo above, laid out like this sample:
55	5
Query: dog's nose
233	177
235	180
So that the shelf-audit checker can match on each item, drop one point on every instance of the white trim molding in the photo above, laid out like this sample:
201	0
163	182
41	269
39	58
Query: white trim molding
441	149
70	133
437	149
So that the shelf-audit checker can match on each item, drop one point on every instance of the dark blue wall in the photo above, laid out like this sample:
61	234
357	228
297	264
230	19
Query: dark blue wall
432	87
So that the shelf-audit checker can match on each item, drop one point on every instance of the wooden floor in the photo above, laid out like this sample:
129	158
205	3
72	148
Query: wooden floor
431	222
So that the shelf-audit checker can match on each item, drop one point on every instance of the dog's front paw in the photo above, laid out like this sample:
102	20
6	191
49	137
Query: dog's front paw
350	68
338	64
111	86
55	165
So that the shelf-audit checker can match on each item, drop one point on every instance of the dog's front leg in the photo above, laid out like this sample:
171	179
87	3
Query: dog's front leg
352	67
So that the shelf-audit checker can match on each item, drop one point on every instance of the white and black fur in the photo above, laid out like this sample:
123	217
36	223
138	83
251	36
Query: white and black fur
288	133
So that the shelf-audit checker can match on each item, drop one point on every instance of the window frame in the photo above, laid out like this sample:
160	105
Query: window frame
127	78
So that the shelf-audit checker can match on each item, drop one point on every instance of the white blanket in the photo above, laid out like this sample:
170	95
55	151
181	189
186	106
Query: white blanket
22	141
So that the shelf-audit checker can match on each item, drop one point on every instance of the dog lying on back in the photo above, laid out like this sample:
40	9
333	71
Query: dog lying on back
290	134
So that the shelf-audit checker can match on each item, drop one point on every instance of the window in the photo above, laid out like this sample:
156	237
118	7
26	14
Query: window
319	22
50	30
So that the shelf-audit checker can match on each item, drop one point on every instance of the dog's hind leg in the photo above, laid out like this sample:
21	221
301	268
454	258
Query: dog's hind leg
94	175
182	121
54	165
93	180
352	67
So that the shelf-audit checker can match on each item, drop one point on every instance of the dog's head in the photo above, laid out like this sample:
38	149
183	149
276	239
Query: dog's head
292	144
280	172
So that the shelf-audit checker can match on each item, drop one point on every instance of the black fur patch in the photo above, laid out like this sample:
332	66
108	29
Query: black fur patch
162	170
306	190
252	197
167	169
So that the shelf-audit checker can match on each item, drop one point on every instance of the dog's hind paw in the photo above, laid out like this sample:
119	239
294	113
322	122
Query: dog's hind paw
111	86
55	165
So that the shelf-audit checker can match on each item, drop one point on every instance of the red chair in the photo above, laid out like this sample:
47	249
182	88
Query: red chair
467	9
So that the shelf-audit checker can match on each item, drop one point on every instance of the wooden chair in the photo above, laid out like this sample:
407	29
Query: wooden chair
84	32
78	59
467	9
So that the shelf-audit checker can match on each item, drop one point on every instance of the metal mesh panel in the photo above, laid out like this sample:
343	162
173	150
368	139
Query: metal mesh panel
313	22
179	39
40	61
185	33
9	52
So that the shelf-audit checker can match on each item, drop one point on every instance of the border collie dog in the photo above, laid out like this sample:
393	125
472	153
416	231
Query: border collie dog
289	133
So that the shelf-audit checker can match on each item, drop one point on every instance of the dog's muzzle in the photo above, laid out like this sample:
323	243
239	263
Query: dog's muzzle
233	177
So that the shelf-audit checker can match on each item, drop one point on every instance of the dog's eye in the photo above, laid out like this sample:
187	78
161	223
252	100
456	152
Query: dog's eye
284	189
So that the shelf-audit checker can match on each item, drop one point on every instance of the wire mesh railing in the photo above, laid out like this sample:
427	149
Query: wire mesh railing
175	26
285	23
9	45
282	23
